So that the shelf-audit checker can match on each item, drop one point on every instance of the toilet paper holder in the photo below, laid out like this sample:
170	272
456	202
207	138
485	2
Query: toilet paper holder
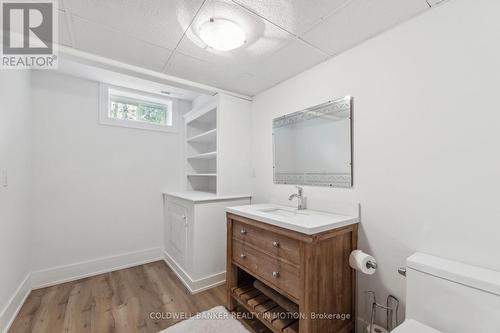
362	262
371	264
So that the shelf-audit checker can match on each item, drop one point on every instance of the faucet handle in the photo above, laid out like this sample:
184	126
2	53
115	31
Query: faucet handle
299	188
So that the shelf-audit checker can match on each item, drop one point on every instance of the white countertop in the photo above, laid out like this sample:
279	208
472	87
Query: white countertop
305	221
199	196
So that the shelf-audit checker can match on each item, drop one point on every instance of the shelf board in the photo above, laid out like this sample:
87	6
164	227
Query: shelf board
202	175
265	309
207	115
212	154
204	137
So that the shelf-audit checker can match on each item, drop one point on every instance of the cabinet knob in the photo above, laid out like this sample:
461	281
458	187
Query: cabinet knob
276	275
243	256
276	244
243	232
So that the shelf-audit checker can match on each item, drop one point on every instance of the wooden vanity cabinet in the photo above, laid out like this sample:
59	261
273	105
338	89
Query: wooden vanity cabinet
311	270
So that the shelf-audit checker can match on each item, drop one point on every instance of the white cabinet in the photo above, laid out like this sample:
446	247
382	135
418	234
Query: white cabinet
218	172
176	231
195	236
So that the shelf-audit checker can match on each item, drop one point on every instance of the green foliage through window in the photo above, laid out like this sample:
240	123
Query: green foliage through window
137	110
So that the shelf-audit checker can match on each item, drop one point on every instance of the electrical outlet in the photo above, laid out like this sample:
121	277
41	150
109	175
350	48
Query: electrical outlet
3	178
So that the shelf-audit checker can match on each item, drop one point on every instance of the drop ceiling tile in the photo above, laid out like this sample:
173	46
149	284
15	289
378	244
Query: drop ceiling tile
263	38
291	60
160	22
198	70
360	20
296	16
108	43
248	84
64	35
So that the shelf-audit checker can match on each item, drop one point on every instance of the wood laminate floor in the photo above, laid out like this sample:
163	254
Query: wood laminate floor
120	301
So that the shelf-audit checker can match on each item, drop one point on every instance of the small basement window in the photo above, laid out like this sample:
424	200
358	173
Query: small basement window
130	108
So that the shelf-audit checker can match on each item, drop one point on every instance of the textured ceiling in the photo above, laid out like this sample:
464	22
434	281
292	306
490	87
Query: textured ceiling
284	37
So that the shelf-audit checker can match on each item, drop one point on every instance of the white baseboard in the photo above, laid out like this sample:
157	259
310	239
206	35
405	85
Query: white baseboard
15	303
60	274
194	286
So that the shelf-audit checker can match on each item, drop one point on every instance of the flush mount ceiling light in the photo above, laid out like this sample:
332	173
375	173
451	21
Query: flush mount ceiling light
222	34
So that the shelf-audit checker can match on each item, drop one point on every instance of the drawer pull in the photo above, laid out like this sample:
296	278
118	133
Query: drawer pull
243	256
276	275
276	244
243	232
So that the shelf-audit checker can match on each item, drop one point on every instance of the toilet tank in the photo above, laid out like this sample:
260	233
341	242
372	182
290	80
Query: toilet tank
451	296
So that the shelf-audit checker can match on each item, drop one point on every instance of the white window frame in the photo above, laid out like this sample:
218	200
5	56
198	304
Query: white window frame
105	90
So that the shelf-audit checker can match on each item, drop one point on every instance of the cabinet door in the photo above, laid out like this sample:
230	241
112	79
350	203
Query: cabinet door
177	235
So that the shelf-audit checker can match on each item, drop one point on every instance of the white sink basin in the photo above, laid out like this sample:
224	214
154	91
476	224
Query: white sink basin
282	212
305	221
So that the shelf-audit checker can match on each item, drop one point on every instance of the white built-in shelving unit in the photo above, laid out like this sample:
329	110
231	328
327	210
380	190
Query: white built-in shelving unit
217	170
217	158
201	149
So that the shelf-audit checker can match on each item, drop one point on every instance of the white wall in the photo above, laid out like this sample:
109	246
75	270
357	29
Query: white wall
97	188
14	199
426	138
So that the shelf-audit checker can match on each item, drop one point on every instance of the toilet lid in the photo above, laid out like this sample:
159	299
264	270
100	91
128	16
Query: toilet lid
413	326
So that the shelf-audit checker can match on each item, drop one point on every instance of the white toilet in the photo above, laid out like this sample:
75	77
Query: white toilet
450	297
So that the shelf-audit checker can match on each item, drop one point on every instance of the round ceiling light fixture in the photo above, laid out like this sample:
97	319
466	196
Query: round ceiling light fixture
222	34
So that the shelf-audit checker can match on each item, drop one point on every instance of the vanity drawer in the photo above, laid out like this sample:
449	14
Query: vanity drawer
272	270
278	245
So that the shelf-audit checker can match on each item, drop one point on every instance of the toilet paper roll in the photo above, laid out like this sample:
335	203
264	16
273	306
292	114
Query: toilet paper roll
358	260
376	329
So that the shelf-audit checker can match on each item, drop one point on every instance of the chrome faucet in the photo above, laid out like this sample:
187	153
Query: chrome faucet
300	199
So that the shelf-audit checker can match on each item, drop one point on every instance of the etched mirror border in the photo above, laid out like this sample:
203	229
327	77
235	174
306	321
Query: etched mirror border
316	179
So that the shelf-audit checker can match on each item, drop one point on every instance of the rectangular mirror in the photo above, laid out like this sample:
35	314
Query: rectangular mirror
313	146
